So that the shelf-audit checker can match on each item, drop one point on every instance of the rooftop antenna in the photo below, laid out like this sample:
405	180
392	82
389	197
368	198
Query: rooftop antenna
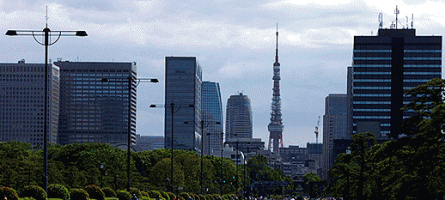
46	17
276	55
412	21
397	13
380	20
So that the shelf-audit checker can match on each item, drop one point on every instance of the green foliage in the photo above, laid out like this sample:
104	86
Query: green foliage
154	194
184	195
135	191
79	194
34	191
95	192
58	191
164	195
145	194
171	195
123	195
109	192
10	193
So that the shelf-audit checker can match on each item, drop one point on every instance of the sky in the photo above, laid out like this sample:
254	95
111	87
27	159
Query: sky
233	40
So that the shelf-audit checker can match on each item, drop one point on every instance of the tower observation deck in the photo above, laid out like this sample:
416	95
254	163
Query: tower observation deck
276	125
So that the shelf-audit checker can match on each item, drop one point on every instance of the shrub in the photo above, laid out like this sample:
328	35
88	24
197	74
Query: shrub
79	194
171	195
109	192
9	193
35	192
164	195
154	194
123	195
183	195
95	192
135	191
58	191
145	194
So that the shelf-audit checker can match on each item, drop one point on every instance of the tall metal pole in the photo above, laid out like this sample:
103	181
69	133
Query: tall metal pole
129	132
236	166
221	173
172	188
46	30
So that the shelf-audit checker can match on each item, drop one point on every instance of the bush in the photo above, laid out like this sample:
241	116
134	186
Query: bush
184	195
10	193
123	195
109	192
135	191
171	195
35	192
154	194
79	194
145	194
58	191
95	192
164	195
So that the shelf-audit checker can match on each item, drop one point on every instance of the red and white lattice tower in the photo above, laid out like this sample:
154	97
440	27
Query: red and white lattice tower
276	125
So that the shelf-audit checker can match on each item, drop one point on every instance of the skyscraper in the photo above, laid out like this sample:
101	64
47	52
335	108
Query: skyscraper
334	127
94	99
276	125
212	113
238	117
21	102
183	80
384	66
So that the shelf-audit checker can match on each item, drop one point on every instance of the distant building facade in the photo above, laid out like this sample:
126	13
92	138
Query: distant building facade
334	127
212	114
94	102
384	66
183	82
149	143
238	117
22	88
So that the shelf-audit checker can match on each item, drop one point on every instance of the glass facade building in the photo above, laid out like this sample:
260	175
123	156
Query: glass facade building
238	117
21	102
94	102
183	80
384	66
334	127
212	113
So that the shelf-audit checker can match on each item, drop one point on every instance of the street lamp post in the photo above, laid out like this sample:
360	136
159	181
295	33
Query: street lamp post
221	172
348	154
202	149
130	87
47	33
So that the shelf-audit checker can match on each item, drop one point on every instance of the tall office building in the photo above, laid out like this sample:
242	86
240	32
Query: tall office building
183	80
238	119
212	113
21	102
384	66
94	102
334	127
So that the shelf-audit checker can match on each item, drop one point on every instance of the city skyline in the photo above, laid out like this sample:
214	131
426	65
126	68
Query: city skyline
234	48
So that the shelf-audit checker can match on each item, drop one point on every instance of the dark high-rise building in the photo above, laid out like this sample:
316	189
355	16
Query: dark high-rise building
276	124
212	114
183	80
238	117
384	66
22	89
94	102
334	127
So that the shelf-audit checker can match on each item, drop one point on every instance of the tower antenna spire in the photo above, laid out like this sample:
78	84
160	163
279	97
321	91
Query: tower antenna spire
46	17
276	54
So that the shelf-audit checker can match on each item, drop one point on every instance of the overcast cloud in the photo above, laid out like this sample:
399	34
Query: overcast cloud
234	41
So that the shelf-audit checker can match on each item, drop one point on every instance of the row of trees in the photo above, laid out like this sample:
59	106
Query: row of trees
78	165
408	168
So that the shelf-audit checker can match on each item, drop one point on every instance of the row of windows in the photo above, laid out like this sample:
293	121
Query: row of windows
372	102
381	124
372	58
422	65
404	66
422	58
423	51
382	50
372	65
371	95
371	88
372	110
372	80
371	117
406	73
372	73
416	80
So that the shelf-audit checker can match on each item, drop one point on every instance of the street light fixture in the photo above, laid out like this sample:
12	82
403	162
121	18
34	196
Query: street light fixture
221	172
130	79
202	148
47	33
348	154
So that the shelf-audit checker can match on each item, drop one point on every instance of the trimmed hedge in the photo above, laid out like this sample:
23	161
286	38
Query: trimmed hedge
35	192
154	194
171	195
95	192
58	191
10	193
135	191
109	192
164	195
79	194
123	195
145	194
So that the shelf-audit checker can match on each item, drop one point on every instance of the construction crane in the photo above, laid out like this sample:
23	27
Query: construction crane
316	130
